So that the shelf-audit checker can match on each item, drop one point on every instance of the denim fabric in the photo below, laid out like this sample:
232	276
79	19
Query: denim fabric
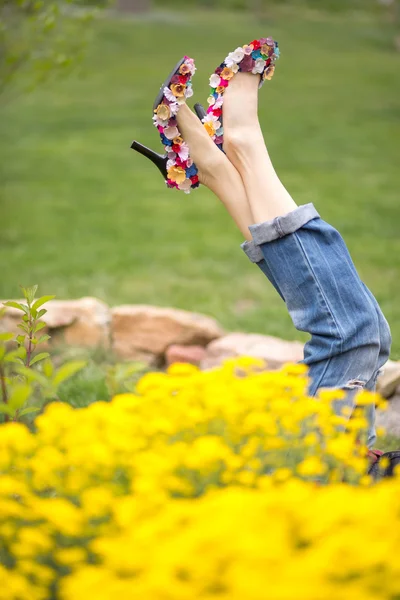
307	262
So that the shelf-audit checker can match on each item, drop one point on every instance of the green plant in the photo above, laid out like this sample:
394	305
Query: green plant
19	380
123	377
39	38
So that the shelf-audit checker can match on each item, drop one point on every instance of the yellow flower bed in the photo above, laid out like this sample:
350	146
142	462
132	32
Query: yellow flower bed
225	485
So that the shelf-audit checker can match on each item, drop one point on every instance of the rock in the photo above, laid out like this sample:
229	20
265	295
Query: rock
185	354
83	322
389	380
142	329
273	350
390	418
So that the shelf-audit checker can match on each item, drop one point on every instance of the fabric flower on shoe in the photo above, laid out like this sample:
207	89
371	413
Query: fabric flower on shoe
227	74
165	141
214	80
220	89
259	66
171	184
169	95
183	151
176	174
178	90
268	73
185	185
190	63
185	69
256	44
247	64
191	171
163	112
210	128
174	107
234	57
171	132
248	49
188	91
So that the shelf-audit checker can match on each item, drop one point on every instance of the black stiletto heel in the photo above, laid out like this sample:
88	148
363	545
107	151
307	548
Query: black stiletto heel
200	111
160	160
175	165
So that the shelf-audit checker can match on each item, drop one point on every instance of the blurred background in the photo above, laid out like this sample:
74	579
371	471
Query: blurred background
81	214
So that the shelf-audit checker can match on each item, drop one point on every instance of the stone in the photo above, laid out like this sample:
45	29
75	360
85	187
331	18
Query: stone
185	354
273	350
142	329
390	418
84	322
389	380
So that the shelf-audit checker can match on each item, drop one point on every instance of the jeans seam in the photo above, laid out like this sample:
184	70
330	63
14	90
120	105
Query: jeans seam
320	289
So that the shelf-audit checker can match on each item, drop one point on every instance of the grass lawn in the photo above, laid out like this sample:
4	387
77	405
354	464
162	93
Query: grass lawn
81	214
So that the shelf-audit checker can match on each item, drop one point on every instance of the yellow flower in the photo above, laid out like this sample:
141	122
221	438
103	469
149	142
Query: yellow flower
209	127
176	174
311	466
265	49
178	140
269	72
227	73
220	89
178	89
184	69
163	112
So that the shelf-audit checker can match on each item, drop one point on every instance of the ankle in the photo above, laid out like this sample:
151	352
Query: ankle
242	139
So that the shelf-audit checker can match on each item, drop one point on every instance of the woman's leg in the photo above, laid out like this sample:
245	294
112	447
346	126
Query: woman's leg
305	259
215	170
245	147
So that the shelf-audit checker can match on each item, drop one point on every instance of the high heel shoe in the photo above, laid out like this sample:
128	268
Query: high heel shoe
258	57
175	165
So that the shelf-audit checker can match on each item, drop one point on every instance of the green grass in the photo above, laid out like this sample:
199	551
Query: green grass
81	214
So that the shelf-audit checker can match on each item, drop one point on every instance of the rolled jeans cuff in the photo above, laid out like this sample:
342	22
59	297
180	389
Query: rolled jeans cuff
252	251
281	226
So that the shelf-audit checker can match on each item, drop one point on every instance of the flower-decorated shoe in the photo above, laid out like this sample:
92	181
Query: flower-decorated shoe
258	57
175	164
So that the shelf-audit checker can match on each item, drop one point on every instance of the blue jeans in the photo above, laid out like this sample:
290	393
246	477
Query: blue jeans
307	262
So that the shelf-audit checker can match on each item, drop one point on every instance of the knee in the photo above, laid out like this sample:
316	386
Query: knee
385	339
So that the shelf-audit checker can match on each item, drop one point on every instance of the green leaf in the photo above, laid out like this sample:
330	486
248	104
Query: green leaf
19	395
39	326
68	370
31	375
5	409
24	327
29	293
48	368
43	338
2	352
6	337
15	355
20	339
41	312
27	410
17	305
41	301
39	357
